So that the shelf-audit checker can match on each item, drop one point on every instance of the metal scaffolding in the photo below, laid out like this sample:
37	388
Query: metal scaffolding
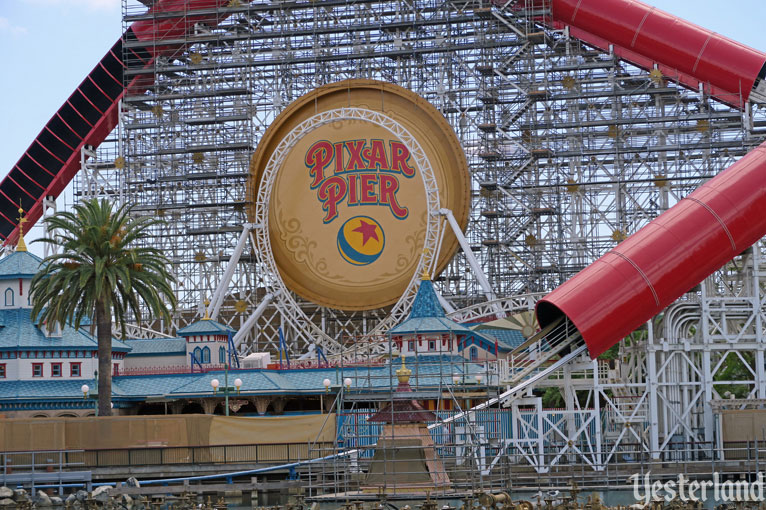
656	405
570	149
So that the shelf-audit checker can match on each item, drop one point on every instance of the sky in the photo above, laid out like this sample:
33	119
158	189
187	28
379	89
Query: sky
49	46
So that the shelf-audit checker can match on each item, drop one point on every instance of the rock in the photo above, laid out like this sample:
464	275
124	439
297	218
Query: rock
132	482
7	502
70	499
20	495
56	501
101	494
5	492
126	501
41	499
81	495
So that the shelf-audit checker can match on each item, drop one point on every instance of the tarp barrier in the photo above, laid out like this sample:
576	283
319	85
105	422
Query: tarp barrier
743	425
191	430
269	430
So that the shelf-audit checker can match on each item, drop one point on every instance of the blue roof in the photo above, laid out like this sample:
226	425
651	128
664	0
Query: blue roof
45	389
153	385
427	315
429	325
205	327
426	303
510	338
17	331
19	264
486	342
432	371
156	346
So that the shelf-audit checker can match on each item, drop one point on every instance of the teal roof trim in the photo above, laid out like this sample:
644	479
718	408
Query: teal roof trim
511	338
427	315
432	372
485	342
19	332
64	388
19	264
426	303
205	327
429	325
156	346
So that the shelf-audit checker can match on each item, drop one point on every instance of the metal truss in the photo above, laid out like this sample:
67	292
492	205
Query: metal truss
569	148
655	401
513	304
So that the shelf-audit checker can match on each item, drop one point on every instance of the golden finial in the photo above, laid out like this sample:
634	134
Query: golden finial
21	245
403	374
426	275
207	312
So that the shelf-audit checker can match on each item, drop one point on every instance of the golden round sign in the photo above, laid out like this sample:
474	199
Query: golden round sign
347	210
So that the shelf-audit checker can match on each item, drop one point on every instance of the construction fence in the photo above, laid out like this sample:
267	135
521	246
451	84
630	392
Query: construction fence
156	440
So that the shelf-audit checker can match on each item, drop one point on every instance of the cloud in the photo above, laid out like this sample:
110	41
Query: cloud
94	5
9	28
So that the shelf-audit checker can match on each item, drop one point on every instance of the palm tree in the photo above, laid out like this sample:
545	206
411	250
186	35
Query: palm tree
100	271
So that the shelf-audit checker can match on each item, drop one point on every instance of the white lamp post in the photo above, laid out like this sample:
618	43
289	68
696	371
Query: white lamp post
238	384
85	389
326	383
215	383
347	383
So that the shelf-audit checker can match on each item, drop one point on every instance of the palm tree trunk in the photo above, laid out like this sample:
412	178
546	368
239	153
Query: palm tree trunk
104	336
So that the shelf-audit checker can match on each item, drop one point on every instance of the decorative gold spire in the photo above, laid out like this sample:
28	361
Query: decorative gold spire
426	275
403	374
207	312
21	245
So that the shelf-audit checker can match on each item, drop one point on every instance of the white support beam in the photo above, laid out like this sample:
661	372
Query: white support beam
758	302
49	209
597	440
652	384
569	402
445	304
217	301
516	389
707	370
470	257
250	322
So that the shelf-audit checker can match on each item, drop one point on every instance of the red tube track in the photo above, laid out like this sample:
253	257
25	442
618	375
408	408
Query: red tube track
651	269
90	113
650	38
673	253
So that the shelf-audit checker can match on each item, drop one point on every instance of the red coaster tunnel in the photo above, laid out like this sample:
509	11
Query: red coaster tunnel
652	268
91	112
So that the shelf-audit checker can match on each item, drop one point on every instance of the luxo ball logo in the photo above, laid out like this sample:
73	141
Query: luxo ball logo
361	240
355	173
